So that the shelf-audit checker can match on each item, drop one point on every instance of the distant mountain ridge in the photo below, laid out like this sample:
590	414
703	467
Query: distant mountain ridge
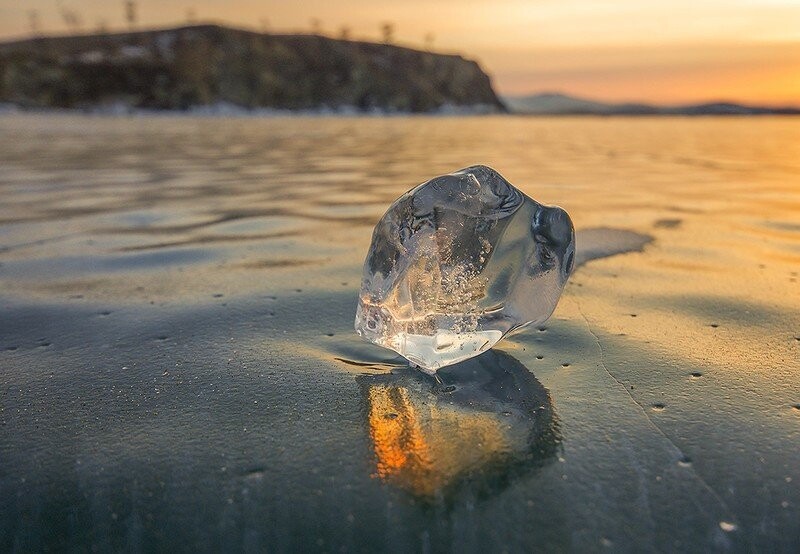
550	103
209	65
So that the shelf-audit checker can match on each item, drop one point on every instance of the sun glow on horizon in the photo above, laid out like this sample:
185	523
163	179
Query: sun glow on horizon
625	50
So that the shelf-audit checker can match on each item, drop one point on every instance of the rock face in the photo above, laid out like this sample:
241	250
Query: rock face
207	65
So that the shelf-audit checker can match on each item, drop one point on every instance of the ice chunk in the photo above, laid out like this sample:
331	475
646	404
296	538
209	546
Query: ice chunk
459	262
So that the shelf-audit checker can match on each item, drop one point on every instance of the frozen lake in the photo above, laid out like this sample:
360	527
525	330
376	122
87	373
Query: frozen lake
178	369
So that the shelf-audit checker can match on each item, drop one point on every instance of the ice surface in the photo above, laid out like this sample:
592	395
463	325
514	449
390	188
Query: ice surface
459	262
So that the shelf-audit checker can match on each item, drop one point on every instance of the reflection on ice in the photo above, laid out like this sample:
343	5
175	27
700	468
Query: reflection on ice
488	420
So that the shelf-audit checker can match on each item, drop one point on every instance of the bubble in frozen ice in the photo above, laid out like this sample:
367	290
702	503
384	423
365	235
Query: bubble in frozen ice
459	262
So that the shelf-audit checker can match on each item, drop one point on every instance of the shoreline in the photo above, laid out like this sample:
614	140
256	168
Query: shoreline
238	112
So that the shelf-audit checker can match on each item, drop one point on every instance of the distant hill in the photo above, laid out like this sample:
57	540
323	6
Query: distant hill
561	104
209	65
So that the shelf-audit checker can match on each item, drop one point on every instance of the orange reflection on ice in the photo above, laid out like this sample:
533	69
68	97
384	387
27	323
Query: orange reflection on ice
422	447
396	432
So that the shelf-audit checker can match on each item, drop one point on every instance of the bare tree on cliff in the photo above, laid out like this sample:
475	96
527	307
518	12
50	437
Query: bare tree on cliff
102	27
130	13
387	32
429	38
70	17
34	22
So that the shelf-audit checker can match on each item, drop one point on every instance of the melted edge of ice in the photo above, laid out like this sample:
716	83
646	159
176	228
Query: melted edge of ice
430	352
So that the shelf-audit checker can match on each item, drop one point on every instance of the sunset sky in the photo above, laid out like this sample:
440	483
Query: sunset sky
657	51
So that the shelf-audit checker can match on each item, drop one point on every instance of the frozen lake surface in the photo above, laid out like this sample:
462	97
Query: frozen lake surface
179	371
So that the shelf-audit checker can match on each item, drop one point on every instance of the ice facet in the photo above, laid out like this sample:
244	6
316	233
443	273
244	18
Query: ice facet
459	262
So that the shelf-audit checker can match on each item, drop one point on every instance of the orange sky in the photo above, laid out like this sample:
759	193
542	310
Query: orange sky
648	50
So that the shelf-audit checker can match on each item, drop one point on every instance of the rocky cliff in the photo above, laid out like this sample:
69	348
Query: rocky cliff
210	65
